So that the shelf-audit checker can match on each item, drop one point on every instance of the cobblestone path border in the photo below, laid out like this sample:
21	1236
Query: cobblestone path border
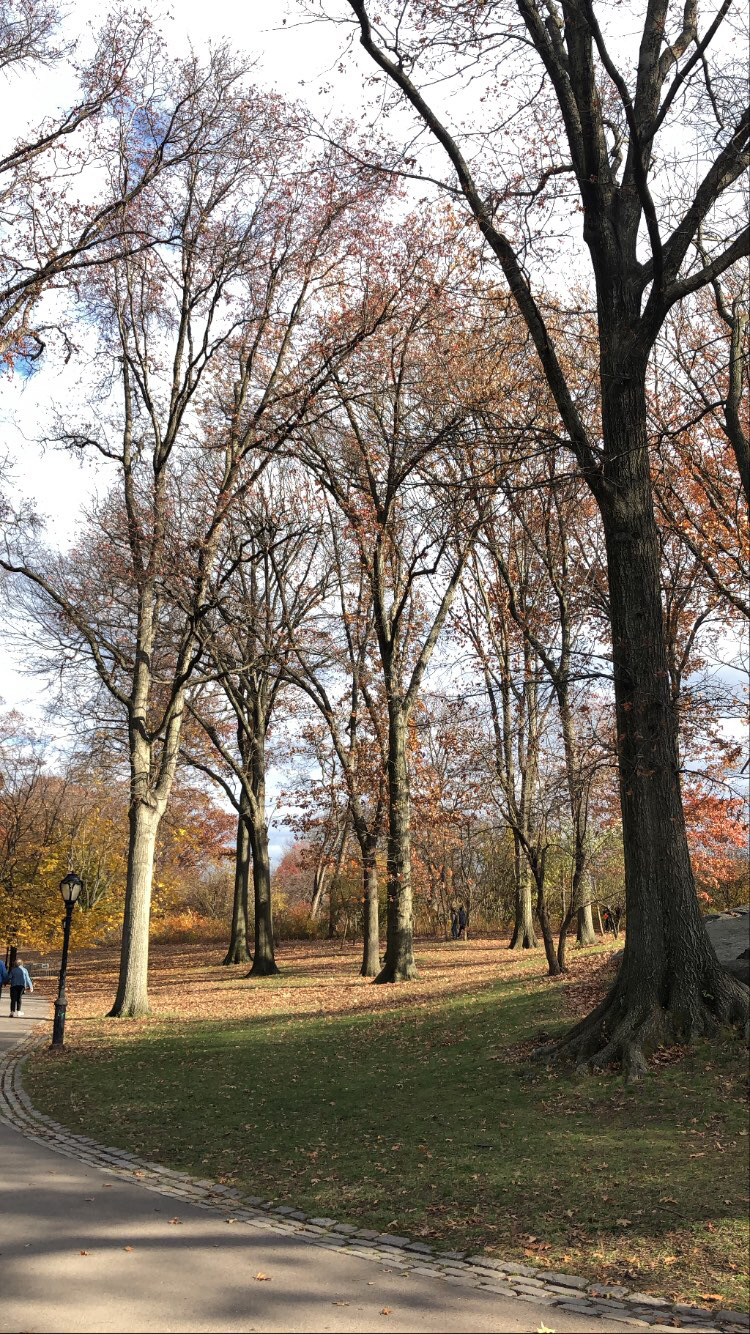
635	1310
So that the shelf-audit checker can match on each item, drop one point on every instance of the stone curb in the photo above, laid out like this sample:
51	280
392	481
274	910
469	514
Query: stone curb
566	1291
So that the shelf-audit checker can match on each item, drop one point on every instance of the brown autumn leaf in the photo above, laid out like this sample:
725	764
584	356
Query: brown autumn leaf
84	1252
385	1310
260	1277
174	1220
127	1248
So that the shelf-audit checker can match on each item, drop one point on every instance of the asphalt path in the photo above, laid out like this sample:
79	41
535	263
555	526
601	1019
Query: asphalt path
83	1250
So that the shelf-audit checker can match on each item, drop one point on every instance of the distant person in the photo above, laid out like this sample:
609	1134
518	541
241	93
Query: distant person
463	922
3	975
454	924
19	983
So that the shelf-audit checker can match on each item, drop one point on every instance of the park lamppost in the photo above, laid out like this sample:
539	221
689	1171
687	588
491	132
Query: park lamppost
70	888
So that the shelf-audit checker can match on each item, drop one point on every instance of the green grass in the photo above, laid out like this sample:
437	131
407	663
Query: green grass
419	1120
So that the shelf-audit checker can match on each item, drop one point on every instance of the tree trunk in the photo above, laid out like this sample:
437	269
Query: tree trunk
670	984
264	962
586	934
131	1000
371	949
562	943
319	884
238	951
399	954
523	936
547	936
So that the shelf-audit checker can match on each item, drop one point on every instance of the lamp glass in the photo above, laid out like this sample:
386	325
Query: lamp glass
71	887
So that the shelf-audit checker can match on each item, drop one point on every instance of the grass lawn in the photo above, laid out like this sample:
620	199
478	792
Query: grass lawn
416	1109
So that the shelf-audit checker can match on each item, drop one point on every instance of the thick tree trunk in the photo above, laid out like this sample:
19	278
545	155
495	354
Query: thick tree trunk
586	934
371	928
131	1000
523	936
238	951
399	963
264	962
670	984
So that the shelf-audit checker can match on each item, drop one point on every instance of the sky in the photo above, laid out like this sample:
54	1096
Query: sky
294	60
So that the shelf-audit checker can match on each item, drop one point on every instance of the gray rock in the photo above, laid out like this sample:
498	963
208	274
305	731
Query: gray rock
729	934
420	1246
565	1280
645	1299
322	1222
345	1229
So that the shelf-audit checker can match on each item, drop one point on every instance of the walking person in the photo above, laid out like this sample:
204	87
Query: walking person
19	983
454	924
4	975
463	922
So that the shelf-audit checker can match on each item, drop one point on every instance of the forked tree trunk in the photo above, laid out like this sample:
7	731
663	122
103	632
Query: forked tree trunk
131	1000
670	984
524	937
399	963
371	927
238	951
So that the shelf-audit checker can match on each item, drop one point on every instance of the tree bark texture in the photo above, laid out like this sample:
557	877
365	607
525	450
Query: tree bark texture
586	934
264	961
399	963
524	936
131	1000
670	984
371	927
238	951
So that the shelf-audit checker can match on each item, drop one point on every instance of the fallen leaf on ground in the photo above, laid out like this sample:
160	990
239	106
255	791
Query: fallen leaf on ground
127	1248
262	1278
174	1220
84	1252
385	1310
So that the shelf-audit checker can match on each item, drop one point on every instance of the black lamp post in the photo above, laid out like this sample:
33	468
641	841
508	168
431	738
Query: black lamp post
70	888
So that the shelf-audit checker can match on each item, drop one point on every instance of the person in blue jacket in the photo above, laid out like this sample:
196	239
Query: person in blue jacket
3	976
19	982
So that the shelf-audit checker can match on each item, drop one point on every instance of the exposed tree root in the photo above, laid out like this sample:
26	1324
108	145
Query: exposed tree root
401	972
239	954
628	1028
263	968
523	942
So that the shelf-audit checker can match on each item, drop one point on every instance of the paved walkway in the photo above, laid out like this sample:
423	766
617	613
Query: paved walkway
83	1248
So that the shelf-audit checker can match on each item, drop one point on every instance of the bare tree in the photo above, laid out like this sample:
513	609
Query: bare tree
218	345
607	131
395	455
69	186
267	582
343	647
